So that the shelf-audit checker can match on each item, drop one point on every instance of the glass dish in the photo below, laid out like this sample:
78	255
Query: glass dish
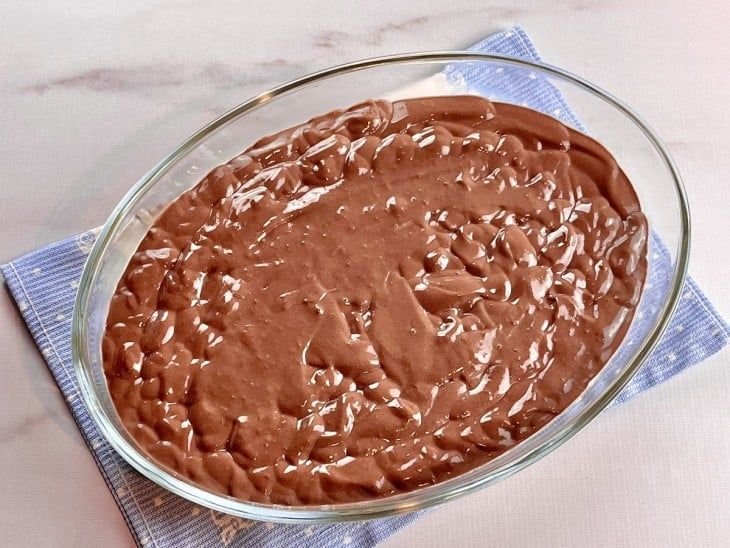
616	126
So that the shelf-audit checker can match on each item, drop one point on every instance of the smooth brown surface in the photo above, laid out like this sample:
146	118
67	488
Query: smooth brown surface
375	301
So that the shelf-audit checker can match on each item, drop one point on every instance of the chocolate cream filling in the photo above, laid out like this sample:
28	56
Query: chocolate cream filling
376	300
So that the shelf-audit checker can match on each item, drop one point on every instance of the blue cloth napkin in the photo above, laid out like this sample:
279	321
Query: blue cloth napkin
44	285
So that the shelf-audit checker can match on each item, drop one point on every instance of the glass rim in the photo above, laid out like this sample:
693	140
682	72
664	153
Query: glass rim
500	467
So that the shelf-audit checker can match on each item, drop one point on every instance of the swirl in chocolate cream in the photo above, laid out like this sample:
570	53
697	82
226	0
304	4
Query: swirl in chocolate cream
375	301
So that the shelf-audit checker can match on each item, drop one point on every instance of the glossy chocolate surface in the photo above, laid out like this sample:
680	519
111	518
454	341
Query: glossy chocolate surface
376	300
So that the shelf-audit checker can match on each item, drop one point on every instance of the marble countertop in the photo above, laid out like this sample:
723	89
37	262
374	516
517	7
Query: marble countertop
93	93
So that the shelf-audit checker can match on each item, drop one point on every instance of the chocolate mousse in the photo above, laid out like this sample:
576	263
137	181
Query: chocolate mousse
374	301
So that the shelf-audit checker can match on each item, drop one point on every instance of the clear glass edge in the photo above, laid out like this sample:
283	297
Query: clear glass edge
408	502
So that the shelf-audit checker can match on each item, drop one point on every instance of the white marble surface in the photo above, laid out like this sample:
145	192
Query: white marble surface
92	94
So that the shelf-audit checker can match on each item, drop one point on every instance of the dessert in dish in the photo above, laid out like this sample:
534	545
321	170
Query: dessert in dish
375	301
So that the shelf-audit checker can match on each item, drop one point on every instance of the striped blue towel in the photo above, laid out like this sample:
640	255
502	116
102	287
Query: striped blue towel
44	285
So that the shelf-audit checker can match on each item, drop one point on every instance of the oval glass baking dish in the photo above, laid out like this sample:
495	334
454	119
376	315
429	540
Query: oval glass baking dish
635	147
